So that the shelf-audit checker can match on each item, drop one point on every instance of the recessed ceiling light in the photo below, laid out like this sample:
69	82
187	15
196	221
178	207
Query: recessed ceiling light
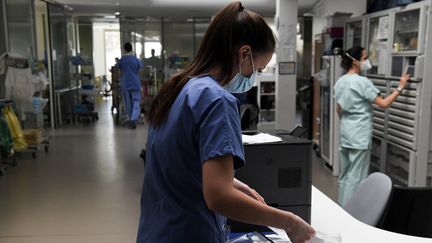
117	13
117	4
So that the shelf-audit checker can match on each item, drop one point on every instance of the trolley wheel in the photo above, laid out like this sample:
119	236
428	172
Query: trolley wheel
46	148
34	155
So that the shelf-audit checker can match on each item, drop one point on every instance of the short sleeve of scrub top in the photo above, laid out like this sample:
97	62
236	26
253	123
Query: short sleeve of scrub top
203	123
370	92
350	89
220	131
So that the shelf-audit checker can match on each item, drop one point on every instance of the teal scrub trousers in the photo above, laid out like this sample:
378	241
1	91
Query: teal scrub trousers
354	168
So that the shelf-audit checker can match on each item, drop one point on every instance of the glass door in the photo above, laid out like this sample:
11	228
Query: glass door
408	42
20	27
326	109
377	44
406	32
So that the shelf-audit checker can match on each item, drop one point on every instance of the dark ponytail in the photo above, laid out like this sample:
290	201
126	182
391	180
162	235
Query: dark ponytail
231	28
347	56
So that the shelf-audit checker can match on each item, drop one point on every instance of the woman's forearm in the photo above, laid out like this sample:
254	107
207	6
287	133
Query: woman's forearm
238	206
387	101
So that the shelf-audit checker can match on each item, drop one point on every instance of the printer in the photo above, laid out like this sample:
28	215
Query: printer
281	173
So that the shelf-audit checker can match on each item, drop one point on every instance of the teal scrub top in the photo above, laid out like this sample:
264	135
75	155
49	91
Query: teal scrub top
355	95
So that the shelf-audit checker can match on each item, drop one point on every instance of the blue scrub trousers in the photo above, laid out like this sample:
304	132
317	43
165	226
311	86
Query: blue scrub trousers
354	168
132	103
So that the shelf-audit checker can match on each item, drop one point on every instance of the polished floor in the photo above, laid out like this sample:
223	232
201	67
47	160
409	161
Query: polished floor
86	189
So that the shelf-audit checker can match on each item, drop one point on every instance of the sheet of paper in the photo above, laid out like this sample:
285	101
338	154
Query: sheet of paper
324	238
383	27
319	237
260	138
382	58
281	233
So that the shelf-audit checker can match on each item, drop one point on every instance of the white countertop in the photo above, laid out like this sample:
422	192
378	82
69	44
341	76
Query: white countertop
329	218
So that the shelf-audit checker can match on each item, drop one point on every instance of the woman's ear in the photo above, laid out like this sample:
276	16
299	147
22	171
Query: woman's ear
356	62
244	52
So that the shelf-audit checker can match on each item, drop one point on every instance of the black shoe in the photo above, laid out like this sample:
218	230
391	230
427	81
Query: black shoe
132	125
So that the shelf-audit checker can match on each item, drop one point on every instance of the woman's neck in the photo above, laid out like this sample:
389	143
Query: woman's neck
353	71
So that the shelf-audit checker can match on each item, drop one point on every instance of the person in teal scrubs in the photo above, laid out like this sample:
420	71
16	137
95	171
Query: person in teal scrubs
355	95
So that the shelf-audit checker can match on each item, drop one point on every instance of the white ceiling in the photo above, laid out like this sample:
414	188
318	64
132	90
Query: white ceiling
173	8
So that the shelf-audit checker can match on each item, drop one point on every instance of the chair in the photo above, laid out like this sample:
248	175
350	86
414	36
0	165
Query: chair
410	211
369	202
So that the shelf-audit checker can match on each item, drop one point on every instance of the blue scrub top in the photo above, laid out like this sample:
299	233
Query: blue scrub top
130	66
203	123
355	94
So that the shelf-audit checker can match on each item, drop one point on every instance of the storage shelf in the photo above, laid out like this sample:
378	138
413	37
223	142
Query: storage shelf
267	94
400	179
407	31
374	165
376	155
405	52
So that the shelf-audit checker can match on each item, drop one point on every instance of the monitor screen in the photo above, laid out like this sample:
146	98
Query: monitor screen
410	70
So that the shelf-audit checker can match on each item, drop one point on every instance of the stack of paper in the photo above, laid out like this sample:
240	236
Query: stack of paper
260	138
319	237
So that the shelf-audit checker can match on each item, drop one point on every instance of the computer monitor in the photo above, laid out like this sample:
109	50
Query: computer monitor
410	70
299	132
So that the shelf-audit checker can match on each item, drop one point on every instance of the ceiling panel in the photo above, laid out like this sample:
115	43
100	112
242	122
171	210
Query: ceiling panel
173	8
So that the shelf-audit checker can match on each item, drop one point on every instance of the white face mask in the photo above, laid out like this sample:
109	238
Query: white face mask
365	65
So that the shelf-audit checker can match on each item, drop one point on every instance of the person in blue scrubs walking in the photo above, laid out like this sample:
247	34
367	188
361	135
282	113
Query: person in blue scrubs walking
355	95
129	66
194	141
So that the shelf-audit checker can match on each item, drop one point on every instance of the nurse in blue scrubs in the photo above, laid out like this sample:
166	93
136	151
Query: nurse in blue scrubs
130	65
355	95
194	142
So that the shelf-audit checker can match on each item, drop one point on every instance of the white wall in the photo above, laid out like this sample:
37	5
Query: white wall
325	8
286	13
98	51
99	57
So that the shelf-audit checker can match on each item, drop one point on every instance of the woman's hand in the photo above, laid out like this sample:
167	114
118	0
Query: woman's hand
247	190
298	230
403	80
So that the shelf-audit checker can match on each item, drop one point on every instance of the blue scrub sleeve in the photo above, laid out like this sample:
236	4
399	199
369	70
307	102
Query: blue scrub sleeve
220	131
370	92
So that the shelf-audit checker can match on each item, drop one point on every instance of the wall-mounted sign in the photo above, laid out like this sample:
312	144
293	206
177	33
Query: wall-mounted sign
287	68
